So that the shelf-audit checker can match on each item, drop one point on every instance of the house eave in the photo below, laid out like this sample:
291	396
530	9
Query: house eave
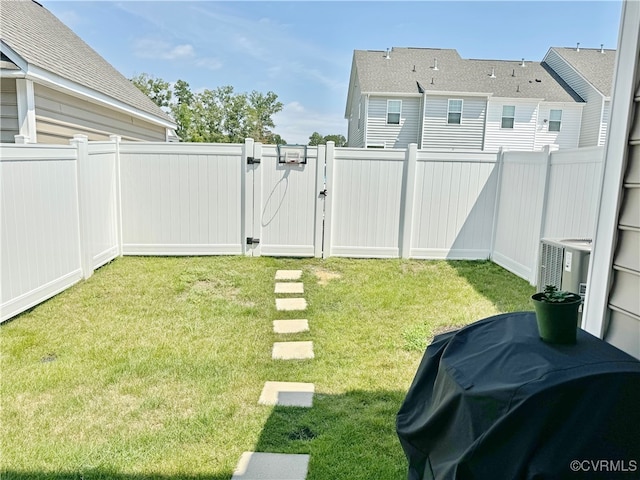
43	77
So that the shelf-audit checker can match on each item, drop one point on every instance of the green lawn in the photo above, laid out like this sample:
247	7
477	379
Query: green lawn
153	367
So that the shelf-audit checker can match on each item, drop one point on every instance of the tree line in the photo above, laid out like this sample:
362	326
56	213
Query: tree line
220	115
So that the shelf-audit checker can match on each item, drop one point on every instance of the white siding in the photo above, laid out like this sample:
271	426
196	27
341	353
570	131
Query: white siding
605	122
521	136
468	135
9	111
355	135
592	113
393	136
569	134
60	116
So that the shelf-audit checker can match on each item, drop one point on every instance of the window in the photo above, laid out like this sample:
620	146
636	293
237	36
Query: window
508	116
454	112
555	120
393	112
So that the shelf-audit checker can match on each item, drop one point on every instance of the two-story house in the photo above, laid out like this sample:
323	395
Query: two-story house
589	73
440	101
53	85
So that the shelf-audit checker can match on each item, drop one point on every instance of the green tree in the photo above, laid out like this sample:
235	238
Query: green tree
218	115
156	89
317	139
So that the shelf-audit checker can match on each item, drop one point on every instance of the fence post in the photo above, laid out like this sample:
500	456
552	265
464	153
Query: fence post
328	198
320	200
116	139
548	151
246	197
80	142
407	201
496	205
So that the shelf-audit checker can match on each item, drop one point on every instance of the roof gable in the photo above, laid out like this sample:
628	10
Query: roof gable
594	64
43	41
413	70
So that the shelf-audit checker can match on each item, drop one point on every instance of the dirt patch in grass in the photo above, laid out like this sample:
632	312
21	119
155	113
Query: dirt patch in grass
325	276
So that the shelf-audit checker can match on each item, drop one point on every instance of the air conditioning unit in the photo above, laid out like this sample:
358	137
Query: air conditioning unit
565	264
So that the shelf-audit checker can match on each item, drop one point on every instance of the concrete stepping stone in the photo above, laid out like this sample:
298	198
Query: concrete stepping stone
290	326
287	394
288	274
271	466
290	304
289	287
292	350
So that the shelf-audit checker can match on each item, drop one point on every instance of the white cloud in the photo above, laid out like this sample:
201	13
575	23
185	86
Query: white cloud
210	63
295	123
152	48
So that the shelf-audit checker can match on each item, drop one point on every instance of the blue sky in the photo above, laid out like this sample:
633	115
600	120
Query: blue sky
302	50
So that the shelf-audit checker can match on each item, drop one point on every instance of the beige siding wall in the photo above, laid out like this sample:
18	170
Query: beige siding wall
569	134
60	116
8	110
468	135
624	299
393	136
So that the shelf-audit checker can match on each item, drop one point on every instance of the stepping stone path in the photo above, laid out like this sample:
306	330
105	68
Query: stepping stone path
287	394
280	466
271	466
289	287
290	304
290	326
292	350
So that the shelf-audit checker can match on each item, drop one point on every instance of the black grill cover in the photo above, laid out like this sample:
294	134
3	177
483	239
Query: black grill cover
493	401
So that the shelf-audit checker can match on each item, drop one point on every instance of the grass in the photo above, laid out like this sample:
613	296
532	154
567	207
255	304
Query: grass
152	368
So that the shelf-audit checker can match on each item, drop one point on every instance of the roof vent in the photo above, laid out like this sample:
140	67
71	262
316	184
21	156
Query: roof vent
522	64
578	47
387	55
435	64
602	48
493	73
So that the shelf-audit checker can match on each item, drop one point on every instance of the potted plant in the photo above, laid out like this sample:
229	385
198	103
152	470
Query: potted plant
557	314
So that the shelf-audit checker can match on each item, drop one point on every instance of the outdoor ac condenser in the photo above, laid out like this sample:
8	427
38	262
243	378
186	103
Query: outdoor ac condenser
565	264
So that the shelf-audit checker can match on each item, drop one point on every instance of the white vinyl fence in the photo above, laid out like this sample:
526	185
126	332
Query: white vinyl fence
65	211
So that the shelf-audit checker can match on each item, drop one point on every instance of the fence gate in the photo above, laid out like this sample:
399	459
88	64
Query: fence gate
285	194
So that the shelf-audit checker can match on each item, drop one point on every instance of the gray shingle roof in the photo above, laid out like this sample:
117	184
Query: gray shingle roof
43	41
397	74
596	66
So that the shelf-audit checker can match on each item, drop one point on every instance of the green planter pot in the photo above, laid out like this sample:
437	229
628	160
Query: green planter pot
557	322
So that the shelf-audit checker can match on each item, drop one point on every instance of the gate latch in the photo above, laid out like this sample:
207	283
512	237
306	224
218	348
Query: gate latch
252	160
252	241
323	192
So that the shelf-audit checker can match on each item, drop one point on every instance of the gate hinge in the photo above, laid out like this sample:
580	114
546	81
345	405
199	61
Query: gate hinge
252	160
252	241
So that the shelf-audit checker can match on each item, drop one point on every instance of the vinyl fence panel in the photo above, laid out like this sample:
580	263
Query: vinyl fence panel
39	221
182	199
520	210
366	191
454	205
290	203
574	193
